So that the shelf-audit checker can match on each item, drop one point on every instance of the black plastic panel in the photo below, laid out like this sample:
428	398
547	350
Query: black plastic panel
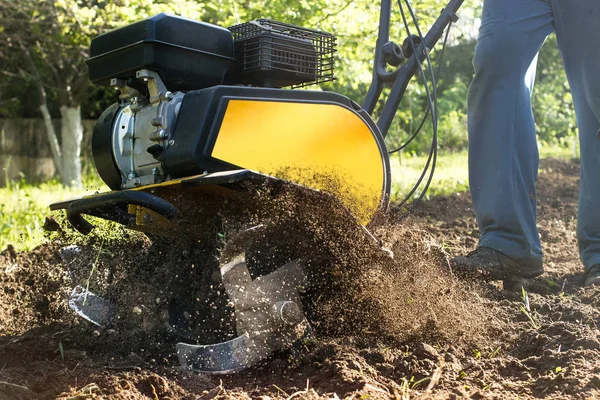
186	54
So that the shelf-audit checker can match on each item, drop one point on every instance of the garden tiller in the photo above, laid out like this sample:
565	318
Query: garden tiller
203	128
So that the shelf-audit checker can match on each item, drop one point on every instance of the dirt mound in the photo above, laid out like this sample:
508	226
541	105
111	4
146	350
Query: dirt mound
34	286
384	328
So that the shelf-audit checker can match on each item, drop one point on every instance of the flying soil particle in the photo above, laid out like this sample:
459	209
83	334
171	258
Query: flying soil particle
171	279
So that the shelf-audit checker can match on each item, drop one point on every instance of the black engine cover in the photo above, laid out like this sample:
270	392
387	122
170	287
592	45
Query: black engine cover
186	54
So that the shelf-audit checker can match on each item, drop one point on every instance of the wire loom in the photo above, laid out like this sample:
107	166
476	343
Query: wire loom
275	54
431	108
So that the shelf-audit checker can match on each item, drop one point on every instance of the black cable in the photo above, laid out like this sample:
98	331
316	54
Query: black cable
432	106
439	73
432	100
432	158
434	111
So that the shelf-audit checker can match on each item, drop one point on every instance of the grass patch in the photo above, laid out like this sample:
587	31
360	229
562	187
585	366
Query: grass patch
451	175
24	207
451	172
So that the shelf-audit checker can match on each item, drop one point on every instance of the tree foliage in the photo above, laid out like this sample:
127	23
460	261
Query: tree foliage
49	57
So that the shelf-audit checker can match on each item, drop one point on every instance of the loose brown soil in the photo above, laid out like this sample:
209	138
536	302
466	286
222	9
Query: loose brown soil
401	328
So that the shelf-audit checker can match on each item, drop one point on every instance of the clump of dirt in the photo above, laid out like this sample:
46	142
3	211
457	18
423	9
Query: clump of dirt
33	288
138	384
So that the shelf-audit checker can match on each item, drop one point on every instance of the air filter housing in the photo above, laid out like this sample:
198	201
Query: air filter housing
274	54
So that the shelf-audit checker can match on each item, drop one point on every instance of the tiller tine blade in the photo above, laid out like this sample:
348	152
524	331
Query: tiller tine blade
91	307
268	317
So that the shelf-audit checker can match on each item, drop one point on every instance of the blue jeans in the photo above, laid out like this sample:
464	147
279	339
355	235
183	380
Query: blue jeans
503	155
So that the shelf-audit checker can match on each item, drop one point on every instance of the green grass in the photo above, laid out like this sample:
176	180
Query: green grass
451	172
451	175
24	207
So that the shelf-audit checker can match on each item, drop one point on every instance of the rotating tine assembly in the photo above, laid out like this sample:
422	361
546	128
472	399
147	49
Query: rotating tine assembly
268	311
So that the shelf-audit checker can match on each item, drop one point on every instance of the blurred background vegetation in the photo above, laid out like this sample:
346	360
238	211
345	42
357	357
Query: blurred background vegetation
44	45
57	35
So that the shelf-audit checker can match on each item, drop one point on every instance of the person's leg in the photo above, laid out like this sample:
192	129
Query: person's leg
578	34
503	155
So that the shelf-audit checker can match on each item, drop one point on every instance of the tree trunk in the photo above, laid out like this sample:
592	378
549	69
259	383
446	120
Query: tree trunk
51	134
71	135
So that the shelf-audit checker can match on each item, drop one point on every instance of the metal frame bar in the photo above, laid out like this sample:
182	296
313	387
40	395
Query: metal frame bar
400	77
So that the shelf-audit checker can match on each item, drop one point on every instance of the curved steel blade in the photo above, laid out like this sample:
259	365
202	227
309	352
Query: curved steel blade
220	358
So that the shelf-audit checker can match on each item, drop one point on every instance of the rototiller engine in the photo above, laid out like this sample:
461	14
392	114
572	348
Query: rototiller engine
202	126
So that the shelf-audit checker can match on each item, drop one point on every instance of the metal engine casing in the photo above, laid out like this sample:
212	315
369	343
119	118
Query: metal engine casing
140	132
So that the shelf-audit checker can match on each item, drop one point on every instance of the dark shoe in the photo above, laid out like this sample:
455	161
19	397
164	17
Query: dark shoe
492	264
592	276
